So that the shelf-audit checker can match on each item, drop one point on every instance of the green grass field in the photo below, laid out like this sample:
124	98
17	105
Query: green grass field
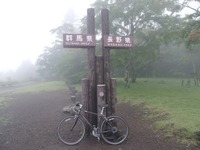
181	103
166	95
42	87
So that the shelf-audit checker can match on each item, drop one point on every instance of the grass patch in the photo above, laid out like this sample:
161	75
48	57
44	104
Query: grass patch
182	104
3	102
4	121
42	87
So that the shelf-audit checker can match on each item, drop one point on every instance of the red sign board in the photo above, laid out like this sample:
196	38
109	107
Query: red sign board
78	40
118	41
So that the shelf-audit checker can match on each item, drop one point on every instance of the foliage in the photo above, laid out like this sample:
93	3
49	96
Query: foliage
25	72
191	35
74	63
153	23
191	31
59	63
47	62
173	61
149	23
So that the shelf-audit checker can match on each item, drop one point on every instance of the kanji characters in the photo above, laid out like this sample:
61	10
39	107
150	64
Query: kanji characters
79	38
69	37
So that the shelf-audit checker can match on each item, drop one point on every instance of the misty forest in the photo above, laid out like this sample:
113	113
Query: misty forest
156	87
166	43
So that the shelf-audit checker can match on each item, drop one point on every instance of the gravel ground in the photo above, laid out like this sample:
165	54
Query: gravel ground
33	120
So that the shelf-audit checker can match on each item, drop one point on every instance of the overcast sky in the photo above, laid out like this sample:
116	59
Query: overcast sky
25	26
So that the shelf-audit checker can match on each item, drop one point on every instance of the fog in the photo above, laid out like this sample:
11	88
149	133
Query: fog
25	72
25	32
25	27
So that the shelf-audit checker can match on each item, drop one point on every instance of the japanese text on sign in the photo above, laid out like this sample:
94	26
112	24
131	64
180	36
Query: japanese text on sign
78	40
118	41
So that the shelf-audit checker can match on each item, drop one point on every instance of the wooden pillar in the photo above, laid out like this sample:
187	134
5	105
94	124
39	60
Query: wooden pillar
85	92
106	58
113	94
73	99
101	94
85	97
92	101
99	69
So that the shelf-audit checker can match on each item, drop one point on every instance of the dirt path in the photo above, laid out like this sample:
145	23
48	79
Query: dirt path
34	119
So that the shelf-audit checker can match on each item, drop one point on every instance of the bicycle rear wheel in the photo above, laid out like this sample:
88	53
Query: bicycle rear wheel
114	130
71	130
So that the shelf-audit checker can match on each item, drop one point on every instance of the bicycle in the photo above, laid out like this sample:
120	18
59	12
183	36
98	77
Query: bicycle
113	129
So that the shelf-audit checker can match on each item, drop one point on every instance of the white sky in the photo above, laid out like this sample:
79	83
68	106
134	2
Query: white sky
25	26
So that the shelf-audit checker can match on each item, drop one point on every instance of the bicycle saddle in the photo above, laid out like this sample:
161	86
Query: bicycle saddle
103	106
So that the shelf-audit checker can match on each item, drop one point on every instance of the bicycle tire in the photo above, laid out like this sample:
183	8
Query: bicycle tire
71	130
114	130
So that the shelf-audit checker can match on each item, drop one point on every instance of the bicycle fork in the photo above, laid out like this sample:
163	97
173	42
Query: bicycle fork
76	117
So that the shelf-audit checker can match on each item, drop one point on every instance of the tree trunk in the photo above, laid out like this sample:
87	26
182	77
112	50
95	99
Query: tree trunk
195	75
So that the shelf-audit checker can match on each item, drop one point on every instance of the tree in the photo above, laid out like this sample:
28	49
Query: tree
152	22
47	62
73	65
26	71
59	63
191	34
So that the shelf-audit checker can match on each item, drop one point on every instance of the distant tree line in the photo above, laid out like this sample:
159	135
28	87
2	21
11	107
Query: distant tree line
24	73
166	44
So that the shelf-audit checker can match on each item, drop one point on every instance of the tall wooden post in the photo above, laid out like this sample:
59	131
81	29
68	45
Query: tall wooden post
92	101
113	94
85	97
101	94
106	58
99	69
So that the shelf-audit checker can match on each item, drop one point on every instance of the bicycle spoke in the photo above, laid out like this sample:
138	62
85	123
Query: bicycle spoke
114	130
71	131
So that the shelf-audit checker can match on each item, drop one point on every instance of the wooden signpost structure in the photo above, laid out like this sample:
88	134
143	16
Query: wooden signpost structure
98	87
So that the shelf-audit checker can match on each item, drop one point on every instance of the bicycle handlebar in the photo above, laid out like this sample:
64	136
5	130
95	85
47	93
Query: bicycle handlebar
78	104
77	107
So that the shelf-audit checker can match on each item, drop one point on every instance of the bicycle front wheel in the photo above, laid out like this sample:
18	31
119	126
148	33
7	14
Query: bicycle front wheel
114	130
71	130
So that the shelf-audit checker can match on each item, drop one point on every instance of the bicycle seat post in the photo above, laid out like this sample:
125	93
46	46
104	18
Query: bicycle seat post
102	110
